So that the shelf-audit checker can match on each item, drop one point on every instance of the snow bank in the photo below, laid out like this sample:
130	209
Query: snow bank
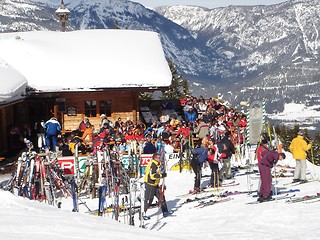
87	59
297	112
12	83
24	219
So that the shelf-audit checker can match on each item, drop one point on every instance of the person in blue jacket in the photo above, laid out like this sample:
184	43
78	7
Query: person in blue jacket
53	128
191	115
200	155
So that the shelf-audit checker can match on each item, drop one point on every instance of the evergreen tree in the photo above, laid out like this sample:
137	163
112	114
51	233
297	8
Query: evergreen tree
179	87
286	135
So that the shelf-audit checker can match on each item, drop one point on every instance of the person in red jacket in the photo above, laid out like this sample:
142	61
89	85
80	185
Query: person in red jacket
214	166
269	158
139	136
262	147
184	131
242	122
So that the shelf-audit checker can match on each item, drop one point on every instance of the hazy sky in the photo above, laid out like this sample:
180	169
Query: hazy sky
205	3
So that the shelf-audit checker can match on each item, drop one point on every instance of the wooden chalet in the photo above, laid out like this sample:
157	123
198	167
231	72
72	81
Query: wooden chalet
70	75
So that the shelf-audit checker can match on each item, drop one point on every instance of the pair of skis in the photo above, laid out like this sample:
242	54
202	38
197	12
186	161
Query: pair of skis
307	199
203	204
286	196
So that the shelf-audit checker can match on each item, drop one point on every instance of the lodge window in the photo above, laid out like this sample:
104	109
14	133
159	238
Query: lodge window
105	107
90	108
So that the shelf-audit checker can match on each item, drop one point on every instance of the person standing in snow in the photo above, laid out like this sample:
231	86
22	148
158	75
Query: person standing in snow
226	149
298	148
53	128
200	155
40	131
268	159
214	166
263	146
154	172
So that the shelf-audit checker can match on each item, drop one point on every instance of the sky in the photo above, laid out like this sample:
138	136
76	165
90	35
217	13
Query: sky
205	3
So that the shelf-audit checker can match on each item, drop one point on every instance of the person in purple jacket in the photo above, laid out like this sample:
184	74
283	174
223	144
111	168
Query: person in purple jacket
269	158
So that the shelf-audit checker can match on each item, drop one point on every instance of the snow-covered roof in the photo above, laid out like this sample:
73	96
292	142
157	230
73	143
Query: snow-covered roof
87	59
12	83
62	10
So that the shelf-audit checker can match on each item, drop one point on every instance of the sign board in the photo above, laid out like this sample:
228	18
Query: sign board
67	165
256	121
173	160
82	164
71	111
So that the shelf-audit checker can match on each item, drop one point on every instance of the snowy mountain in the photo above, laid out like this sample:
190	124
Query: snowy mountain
273	50
242	52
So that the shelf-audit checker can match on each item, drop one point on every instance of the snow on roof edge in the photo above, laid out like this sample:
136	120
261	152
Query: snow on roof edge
28	49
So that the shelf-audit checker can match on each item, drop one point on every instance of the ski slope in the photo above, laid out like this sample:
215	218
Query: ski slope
24	219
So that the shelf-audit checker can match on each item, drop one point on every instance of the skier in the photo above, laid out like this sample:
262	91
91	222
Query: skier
200	155
214	166
53	128
298	148
226	149
263	146
269	158
152	177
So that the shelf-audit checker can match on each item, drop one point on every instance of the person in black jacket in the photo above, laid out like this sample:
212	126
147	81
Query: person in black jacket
226	149
64	148
200	155
149	148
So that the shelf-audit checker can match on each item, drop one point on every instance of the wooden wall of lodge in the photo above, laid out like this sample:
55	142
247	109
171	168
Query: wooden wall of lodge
124	104
6	120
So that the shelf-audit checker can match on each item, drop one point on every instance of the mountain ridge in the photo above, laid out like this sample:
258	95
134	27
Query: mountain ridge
269	47
243	52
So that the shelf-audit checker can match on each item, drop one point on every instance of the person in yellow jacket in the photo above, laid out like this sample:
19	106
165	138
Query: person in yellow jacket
298	148
154	172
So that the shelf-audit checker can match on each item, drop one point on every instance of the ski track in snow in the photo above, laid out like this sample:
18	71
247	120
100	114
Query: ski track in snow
24	219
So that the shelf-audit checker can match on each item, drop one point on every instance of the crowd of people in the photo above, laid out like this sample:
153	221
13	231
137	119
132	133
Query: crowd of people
204	123
209	129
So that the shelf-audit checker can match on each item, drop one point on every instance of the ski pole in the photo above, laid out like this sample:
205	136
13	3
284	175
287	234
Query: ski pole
312	159
275	185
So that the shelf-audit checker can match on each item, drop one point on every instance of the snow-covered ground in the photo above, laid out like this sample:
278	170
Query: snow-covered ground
295	113
24	219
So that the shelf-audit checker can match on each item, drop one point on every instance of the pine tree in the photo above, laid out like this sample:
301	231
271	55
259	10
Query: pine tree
179	87
316	148
287	134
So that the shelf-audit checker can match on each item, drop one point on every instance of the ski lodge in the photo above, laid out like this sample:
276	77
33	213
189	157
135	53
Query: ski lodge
70	75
